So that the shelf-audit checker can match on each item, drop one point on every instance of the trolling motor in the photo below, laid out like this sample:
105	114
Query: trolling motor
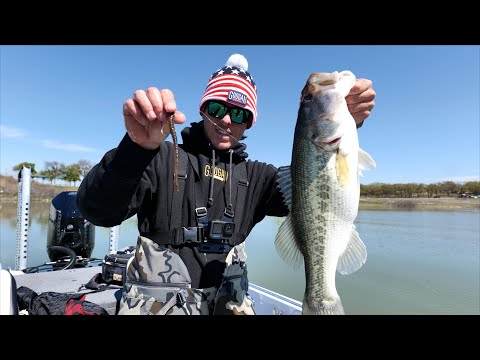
70	236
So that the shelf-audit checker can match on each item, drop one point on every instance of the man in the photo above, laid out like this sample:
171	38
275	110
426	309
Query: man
193	237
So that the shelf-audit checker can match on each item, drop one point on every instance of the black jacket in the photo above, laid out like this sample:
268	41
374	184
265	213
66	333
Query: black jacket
131	180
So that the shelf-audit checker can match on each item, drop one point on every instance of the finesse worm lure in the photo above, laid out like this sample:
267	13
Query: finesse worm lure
175	146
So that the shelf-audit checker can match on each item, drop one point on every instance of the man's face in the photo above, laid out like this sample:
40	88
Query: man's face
222	133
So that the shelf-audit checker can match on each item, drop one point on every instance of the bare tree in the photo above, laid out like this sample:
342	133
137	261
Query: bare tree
85	167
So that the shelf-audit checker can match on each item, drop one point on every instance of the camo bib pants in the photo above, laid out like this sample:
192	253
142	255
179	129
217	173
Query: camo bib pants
158	283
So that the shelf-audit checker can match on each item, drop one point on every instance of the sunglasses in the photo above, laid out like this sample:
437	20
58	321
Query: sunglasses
219	110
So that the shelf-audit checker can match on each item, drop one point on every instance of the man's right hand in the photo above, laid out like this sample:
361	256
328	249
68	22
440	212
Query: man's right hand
147	115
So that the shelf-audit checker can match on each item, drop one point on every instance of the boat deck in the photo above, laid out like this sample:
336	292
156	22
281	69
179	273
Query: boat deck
266	302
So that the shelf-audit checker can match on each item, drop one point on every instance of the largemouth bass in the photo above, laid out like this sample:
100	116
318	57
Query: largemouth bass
322	190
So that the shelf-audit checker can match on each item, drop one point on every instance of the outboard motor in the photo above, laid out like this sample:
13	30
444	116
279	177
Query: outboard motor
67	229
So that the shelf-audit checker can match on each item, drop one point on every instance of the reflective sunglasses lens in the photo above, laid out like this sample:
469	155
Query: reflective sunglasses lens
217	110
241	116
238	116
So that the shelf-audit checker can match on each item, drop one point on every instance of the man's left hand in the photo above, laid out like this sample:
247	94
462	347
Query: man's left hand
360	100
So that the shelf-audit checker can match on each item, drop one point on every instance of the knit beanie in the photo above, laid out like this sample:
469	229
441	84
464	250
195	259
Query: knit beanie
233	84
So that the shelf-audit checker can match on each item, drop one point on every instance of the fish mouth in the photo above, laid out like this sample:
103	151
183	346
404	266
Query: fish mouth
333	141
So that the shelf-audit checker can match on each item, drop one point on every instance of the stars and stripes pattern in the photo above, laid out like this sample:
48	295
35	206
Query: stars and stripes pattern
232	79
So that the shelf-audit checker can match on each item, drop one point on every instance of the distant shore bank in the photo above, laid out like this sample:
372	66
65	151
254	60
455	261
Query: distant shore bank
443	203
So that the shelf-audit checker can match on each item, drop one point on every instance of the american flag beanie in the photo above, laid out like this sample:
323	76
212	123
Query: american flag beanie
233	84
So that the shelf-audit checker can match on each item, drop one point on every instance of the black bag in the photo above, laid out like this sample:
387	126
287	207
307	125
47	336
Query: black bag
114	267
54	303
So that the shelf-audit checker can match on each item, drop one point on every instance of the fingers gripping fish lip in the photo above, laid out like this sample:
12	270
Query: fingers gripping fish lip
324	110
341	81
323	79
326	92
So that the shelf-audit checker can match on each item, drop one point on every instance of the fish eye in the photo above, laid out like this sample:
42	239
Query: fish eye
307	98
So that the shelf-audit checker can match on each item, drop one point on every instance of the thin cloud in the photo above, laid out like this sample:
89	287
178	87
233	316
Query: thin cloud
11	132
66	147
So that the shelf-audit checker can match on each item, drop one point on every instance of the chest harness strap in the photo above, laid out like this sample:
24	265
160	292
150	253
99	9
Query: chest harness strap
217	236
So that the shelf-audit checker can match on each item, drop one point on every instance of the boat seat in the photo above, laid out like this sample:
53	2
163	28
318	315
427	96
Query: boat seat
70	281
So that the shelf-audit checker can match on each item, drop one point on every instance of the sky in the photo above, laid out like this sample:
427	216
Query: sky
64	102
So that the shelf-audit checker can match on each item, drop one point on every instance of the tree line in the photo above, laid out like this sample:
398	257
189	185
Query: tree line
54	170
410	190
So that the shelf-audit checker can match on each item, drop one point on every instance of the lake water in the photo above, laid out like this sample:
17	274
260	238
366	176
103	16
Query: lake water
419	262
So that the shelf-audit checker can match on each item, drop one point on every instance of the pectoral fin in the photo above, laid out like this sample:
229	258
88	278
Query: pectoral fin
365	161
286	245
354	255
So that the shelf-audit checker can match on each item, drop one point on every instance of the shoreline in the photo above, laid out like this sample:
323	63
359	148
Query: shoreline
428	204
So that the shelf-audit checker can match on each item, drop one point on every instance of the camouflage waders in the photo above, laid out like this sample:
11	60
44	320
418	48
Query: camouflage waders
158	283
